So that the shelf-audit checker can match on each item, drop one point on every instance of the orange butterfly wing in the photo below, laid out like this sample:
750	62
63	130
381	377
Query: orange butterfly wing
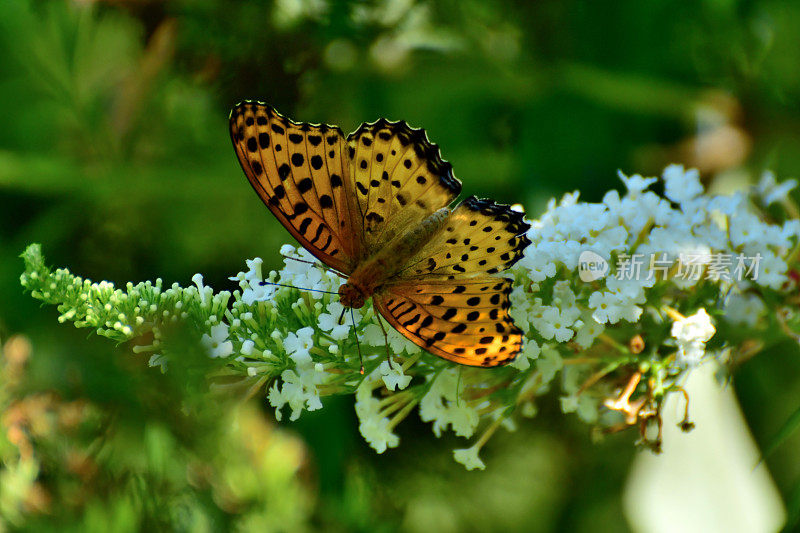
301	172
446	300
465	321
480	237
398	179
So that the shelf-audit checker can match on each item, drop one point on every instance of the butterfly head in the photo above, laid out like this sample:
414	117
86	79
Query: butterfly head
352	296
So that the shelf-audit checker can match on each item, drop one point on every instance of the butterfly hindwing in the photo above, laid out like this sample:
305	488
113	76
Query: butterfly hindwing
465	321
399	178
299	172
480	236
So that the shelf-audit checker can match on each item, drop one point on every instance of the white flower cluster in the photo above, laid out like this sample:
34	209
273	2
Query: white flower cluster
374	425
549	301
670	228
298	385
289	331
443	406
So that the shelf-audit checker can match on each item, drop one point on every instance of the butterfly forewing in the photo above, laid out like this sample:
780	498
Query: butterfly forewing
465	321
298	171
399	178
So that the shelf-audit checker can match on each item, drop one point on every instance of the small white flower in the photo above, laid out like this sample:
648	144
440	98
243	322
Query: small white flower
393	376
301	391
253	274
469	458
298	273
373	335
277	400
529	352
610	239
746	229
217	343
791	229
330	322
539	263
588	331
681	185
298	389
771	271
771	191
727	204
587	409
697	327
611	307
554	324
604	303
254	289
298	345
692	333
744	309
635	184
656	208
520	305
463	419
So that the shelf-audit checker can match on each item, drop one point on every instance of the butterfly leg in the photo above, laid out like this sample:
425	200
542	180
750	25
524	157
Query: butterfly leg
358	344
385	340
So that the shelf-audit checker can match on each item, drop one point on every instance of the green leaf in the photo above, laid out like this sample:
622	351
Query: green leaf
791	425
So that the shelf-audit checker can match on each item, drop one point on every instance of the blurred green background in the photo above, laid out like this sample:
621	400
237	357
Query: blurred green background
114	154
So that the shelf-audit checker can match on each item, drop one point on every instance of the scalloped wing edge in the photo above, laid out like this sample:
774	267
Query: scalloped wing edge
304	126
514	220
423	147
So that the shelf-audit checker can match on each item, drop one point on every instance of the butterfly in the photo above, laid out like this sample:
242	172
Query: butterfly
375	207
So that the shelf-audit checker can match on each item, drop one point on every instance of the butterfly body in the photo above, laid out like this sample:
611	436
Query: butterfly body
375	206
373	274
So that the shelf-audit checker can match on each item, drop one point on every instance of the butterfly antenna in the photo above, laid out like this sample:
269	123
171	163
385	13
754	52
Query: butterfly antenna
293	287
385	342
358	344
313	263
